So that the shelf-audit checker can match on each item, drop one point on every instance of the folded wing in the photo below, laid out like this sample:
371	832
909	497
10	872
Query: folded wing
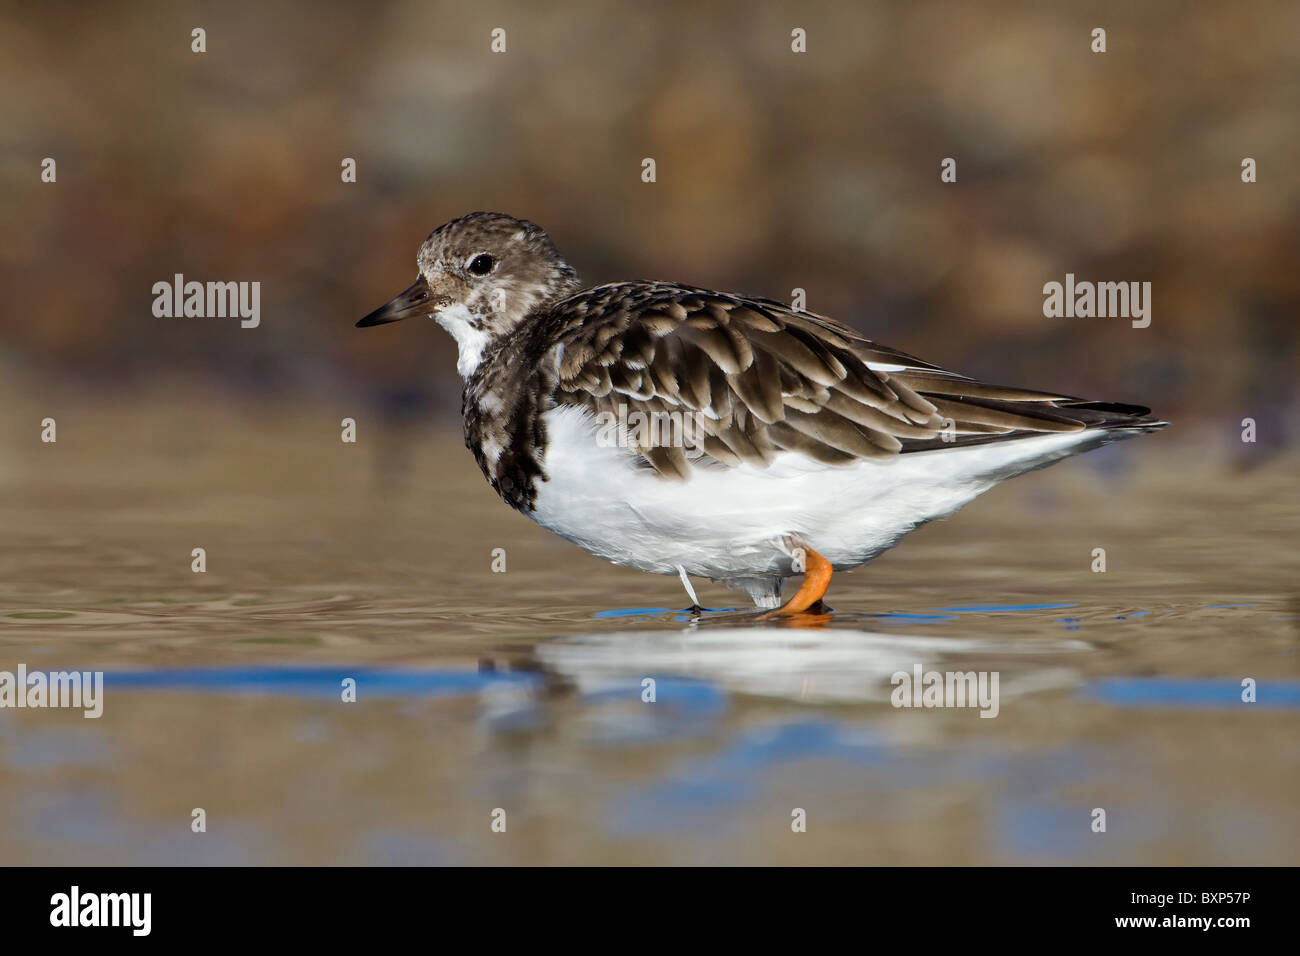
703	379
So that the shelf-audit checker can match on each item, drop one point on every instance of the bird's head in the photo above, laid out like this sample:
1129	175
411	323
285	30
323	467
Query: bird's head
480	276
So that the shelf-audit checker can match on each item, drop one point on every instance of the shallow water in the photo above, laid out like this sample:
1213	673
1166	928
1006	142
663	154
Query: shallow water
522	690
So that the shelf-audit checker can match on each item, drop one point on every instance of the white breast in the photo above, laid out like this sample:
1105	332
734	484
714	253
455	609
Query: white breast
725	522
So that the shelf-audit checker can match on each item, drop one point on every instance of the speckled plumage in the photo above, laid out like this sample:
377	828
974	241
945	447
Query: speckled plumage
759	382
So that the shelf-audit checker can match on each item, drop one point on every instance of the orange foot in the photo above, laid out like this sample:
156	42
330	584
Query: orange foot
817	578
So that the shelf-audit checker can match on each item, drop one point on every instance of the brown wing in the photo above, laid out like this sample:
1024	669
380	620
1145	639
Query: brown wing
692	378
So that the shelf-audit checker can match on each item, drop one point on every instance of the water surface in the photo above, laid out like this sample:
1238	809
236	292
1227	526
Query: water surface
478	690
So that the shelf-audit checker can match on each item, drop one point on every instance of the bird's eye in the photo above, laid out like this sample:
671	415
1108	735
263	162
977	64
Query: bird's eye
481	264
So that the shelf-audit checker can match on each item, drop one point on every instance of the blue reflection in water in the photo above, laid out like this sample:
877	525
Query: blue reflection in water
1055	831
932	614
318	681
680	613
633	612
900	616
695	697
1190	692
690	797
684	709
984	608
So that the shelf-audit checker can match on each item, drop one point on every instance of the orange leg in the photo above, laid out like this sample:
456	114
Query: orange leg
817	578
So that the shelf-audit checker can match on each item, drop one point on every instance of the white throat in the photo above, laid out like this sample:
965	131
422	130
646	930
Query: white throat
457	320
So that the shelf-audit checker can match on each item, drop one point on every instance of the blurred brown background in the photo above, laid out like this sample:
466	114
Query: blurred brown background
775	170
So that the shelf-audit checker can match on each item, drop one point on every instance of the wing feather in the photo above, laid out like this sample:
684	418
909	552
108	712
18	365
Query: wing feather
756	378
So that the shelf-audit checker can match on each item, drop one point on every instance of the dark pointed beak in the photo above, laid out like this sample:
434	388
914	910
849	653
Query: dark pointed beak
414	301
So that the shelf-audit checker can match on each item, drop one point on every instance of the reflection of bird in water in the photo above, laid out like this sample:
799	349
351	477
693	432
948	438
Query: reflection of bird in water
834	664
792	443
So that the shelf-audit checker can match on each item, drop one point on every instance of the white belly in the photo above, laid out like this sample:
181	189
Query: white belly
726	523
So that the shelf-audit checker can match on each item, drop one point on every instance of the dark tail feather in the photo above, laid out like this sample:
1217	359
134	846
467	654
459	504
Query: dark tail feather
980	420
1113	415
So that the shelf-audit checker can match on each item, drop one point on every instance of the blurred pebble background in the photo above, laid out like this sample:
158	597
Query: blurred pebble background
775	170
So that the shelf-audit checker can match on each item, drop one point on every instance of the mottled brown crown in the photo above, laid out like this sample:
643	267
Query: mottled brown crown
527	272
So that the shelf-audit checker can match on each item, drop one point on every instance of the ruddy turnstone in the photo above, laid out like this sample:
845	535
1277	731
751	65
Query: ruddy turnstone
691	432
